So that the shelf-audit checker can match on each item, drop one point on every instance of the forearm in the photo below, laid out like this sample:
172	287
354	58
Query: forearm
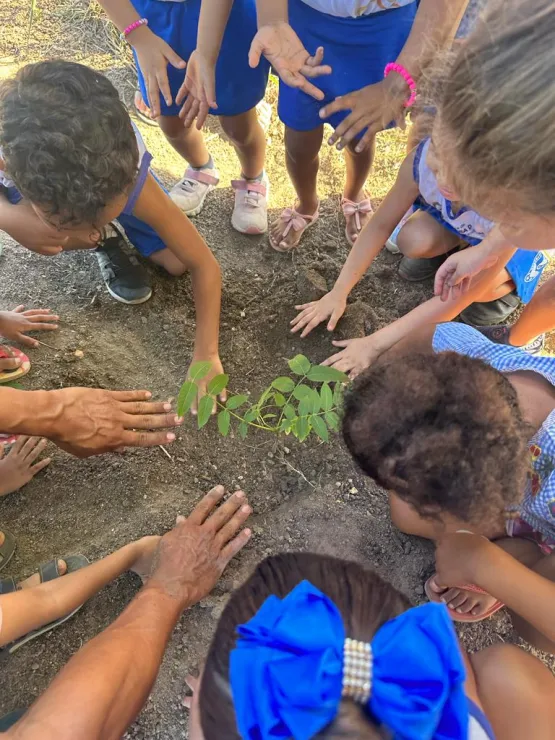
527	593
29	412
207	292
271	12
31	608
109	679
214	15
365	250
434	311
123	14
433	28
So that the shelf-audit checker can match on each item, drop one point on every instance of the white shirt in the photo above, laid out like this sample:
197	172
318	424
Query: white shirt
355	8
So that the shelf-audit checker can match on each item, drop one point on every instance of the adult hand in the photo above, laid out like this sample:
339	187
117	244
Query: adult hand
454	277
90	421
154	55
356	355
22	223
459	557
283	49
215	369
331	305
373	107
193	555
199	89
15	324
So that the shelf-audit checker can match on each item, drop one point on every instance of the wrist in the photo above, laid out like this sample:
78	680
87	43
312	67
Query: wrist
36	413
139	37
169	591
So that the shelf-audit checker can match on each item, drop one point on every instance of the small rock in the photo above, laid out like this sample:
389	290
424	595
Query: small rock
287	450
257	529
311	285
79	353
35	667
242	314
143	319
166	327
329	246
353	490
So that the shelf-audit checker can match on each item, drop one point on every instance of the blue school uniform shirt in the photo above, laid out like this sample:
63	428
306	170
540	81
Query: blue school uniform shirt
538	506
525	267
355	8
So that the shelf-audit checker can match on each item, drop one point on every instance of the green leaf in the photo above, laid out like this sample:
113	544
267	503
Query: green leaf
332	420
299	365
301	391
279	400
217	384
187	394
283	384
243	429
235	401
250	415
321	374
205	406
303	428
320	427
269	416
314	399
289	411
224	421
199	370
305	407
326	397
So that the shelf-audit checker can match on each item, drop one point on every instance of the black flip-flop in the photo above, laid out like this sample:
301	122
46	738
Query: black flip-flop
47	572
7	548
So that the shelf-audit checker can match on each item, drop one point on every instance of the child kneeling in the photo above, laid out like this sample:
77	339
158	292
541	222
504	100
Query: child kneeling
461	433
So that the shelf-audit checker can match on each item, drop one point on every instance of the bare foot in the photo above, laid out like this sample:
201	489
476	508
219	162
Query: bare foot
287	230
146	550
34	580
357	217
18	467
462	601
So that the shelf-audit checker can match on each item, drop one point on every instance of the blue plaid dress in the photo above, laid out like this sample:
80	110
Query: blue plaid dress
537	511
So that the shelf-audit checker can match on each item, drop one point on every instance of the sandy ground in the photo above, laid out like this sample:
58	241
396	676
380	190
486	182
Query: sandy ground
306	496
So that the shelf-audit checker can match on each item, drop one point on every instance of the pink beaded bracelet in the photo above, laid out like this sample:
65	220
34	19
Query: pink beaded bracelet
136	24
394	67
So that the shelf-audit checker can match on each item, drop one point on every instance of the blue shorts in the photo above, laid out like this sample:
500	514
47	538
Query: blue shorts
525	269
357	49
238	87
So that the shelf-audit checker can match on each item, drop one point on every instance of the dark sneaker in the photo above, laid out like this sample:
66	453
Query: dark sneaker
123	276
491	312
501	335
415	270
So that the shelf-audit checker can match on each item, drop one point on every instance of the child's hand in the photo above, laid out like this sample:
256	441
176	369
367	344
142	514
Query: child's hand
372	107
312	314
22	224
356	355
154	55
18	467
200	90
15	324
455	275
216	369
459	556
283	49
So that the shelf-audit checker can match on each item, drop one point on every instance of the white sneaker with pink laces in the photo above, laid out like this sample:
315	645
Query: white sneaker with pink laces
191	191
250	213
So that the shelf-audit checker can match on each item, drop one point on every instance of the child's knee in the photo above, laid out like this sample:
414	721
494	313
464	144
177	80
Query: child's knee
415	241
171	264
240	130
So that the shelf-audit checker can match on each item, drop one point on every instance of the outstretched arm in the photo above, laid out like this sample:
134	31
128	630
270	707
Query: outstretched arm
103	687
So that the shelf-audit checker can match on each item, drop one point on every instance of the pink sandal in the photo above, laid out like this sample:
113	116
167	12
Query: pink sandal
296	221
455	616
350	208
10	353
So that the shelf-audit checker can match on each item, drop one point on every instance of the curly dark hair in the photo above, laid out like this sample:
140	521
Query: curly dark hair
67	140
444	432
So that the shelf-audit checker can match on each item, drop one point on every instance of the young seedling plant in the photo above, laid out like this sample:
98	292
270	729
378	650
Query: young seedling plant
309	402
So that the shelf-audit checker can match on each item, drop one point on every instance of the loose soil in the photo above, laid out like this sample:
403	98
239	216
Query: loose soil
305	497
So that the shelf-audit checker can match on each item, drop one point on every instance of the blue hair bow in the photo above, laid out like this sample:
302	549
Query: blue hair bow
287	667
